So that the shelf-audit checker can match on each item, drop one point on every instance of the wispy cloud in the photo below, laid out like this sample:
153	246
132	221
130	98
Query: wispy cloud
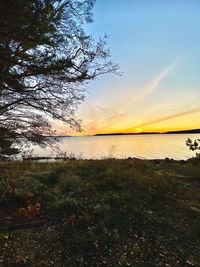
135	97
97	118
151	87
165	118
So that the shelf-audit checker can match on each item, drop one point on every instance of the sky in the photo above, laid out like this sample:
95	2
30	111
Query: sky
157	46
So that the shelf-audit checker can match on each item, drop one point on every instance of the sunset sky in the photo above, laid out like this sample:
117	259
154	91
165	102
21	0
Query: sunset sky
157	45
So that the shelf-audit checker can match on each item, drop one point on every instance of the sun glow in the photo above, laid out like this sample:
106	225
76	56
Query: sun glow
138	130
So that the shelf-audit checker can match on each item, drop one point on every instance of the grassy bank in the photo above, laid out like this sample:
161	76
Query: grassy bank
101	213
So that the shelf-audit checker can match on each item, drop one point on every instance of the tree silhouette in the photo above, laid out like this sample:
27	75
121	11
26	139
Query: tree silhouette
46	59
6	149
194	145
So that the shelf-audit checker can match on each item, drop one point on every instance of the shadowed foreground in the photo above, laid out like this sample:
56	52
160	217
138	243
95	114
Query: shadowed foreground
101	213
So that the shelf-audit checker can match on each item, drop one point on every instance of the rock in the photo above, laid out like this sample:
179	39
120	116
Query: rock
195	209
130	158
160	164
149	212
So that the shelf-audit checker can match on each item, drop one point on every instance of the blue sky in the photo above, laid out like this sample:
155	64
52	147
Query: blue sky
157	45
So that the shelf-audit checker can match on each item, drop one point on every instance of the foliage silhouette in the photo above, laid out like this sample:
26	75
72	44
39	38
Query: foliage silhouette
194	146
46	59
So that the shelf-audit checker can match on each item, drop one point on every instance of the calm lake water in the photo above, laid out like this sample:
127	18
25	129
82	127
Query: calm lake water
152	146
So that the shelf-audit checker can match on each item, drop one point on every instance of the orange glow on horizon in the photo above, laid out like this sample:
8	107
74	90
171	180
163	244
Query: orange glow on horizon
159	124
138	130
134	130
146	130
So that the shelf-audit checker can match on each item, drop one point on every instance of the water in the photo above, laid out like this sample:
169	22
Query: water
152	146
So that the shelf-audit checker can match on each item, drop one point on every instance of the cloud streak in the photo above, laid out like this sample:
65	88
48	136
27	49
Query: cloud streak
150	88
100	119
137	97
165	118
97	118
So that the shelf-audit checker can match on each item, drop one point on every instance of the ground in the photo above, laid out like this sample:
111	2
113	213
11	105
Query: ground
101	213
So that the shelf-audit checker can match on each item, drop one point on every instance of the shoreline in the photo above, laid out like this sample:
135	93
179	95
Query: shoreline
66	159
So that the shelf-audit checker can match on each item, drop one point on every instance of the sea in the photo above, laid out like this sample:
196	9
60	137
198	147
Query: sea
147	146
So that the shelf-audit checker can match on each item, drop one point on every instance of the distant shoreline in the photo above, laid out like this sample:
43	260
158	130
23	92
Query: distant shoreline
143	133
193	131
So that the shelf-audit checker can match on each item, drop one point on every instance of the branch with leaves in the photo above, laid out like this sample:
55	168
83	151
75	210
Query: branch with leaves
46	61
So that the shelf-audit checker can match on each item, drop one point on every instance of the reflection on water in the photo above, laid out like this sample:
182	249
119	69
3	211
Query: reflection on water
152	146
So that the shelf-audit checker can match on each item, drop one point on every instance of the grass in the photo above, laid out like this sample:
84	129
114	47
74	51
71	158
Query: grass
102	213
